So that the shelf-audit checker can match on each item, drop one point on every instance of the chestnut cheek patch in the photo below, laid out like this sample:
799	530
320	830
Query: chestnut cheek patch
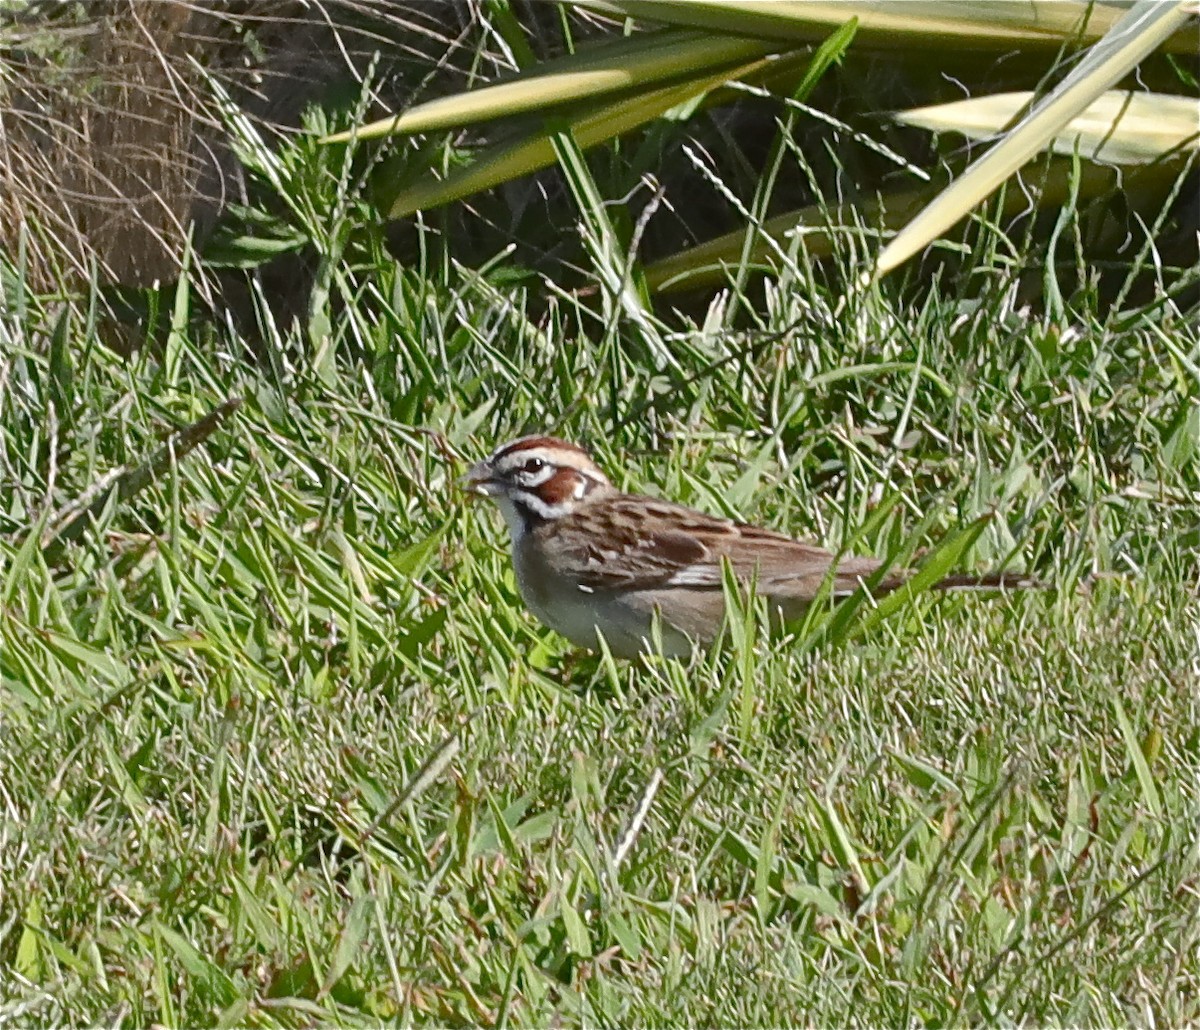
561	487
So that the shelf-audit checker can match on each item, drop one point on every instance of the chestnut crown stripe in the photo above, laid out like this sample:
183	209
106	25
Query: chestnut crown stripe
528	443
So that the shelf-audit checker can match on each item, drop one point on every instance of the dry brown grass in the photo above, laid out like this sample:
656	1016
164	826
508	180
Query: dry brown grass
110	146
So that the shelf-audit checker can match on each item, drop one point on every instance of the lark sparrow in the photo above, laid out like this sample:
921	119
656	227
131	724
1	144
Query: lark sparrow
592	561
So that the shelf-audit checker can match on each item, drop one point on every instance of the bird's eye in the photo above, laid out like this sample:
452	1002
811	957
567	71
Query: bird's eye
533	465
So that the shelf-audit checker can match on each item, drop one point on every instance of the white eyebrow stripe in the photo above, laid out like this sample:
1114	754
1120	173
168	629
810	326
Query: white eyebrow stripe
509	466
515	462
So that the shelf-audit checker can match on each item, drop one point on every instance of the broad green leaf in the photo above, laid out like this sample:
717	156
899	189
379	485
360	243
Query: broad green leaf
350	940
765	865
498	833
27	961
208	980
21	563
62	377
1137	758
180	312
838	840
234	1015
818	897
246	250
417	634
625	934
1144	27
61	952
926	776
79	656
414	559
536	827
1118	127
577	935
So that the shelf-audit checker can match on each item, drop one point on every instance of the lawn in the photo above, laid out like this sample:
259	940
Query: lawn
281	745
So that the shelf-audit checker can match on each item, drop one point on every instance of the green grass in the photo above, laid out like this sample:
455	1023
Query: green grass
282	747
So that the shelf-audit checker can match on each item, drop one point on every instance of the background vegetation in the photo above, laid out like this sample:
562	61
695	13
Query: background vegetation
281	746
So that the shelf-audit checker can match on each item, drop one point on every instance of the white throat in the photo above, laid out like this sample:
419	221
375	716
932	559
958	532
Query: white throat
515	520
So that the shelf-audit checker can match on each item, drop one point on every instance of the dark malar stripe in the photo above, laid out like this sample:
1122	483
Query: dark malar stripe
536	512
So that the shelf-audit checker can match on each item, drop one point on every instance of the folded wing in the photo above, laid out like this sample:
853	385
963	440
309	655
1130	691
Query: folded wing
659	545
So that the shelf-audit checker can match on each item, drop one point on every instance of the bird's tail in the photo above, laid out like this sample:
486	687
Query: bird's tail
991	581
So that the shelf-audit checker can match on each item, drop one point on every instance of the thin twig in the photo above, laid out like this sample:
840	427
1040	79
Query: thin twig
125	481
627	839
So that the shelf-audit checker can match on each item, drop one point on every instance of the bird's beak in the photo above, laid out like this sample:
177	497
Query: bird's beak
478	480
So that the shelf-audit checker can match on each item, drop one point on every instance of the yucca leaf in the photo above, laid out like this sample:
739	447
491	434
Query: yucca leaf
982	25
636	62
537	151
709	264
1119	127
1146	25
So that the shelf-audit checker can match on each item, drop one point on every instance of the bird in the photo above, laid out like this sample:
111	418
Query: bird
592	562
